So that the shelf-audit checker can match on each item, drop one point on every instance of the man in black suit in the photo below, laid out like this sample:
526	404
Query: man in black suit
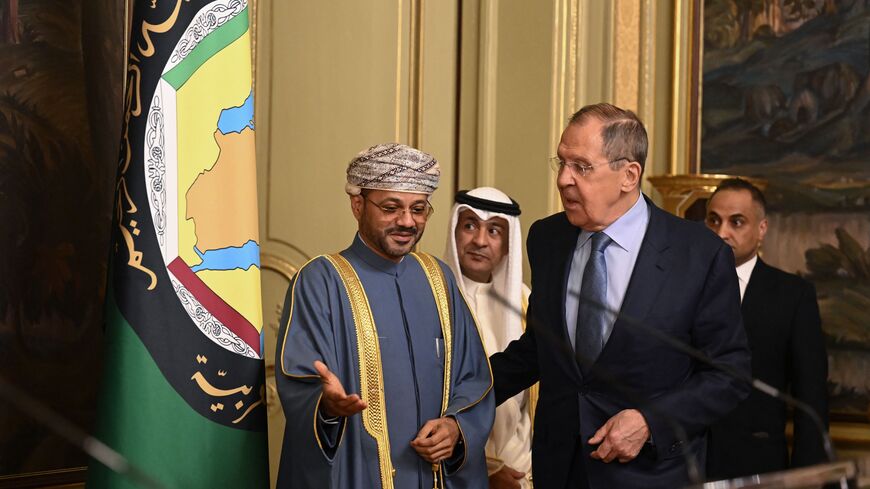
782	323
614	247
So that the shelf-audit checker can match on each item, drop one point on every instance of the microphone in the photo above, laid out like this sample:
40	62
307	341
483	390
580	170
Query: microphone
611	380
76	436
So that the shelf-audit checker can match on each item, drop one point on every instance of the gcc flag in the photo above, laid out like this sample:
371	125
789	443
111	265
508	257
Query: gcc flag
183	391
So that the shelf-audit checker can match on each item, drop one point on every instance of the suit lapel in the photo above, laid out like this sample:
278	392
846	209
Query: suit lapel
562	264
650	271
753	296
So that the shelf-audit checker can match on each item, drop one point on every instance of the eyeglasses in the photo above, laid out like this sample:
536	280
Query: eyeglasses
579	169
419	212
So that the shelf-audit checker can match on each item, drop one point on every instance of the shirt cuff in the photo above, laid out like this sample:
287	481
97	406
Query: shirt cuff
323	418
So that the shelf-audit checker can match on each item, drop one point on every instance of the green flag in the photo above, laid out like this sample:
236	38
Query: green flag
183	392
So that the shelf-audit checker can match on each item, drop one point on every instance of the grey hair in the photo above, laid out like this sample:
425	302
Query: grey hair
623	134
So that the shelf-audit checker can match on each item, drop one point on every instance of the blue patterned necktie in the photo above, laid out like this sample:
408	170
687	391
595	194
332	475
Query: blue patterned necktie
591	317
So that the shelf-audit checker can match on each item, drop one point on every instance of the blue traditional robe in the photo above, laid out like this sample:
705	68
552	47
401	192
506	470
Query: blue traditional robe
318	324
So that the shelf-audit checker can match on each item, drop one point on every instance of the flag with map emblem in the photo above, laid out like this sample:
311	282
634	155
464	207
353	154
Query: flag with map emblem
183	396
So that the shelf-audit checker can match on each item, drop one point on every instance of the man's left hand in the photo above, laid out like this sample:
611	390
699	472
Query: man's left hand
436	439
621	437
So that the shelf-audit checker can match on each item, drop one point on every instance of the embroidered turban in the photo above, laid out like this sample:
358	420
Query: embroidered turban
393	167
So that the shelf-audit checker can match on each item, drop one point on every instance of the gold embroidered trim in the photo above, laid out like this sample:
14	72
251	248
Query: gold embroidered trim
342	426
436	281
316	434
435	277
489	369
371	377
483	349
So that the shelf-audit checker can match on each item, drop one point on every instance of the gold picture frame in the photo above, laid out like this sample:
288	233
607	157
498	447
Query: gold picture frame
850	432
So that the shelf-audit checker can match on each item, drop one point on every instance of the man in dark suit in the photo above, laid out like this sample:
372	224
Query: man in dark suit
782	323
614	247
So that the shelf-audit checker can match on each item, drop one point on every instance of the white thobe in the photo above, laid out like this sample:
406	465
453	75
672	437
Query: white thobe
510	442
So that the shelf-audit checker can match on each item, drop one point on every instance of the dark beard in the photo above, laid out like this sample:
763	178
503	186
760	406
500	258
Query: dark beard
393	250
379	239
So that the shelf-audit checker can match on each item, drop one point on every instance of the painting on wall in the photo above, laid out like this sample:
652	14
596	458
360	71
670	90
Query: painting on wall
786	98
60	114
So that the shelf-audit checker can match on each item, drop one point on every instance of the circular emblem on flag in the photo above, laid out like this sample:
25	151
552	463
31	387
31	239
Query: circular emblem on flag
200	176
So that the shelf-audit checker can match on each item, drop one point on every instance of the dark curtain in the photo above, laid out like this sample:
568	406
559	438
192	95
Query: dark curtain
60	115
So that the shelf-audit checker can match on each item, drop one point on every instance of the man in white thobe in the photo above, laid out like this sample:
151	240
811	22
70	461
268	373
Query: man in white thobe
484	250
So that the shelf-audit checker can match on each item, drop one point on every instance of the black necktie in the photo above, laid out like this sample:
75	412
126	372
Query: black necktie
591	316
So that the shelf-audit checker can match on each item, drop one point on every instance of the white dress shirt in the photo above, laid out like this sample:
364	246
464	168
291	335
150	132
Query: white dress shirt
744	272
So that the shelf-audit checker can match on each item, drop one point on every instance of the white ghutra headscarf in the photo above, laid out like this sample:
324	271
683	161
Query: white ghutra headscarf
507	278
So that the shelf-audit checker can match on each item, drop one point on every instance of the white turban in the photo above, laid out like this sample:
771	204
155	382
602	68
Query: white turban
394	167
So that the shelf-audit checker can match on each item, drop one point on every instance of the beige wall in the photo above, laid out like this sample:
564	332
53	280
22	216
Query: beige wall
332	79
485	86
525	70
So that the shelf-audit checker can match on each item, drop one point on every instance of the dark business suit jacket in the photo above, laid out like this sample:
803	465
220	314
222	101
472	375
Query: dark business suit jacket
781	317
684	283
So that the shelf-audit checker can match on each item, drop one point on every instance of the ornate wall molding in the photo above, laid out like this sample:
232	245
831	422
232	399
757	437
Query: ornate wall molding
487	94
415	73
634	59
278	264
568	15
627	53
685	95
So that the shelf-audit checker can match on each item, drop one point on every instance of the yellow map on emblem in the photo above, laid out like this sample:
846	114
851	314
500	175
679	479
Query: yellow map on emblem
217	212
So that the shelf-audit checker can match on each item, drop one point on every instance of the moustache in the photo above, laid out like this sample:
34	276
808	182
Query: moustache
402	229
482	252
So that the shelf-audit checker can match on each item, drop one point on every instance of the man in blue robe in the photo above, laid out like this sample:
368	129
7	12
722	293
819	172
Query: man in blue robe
383	377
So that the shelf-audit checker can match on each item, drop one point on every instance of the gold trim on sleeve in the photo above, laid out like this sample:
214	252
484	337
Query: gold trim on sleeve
483	349
342	424
489	369
316	434
371	378
287	328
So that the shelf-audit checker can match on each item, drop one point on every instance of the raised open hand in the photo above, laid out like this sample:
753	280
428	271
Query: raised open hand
335	401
